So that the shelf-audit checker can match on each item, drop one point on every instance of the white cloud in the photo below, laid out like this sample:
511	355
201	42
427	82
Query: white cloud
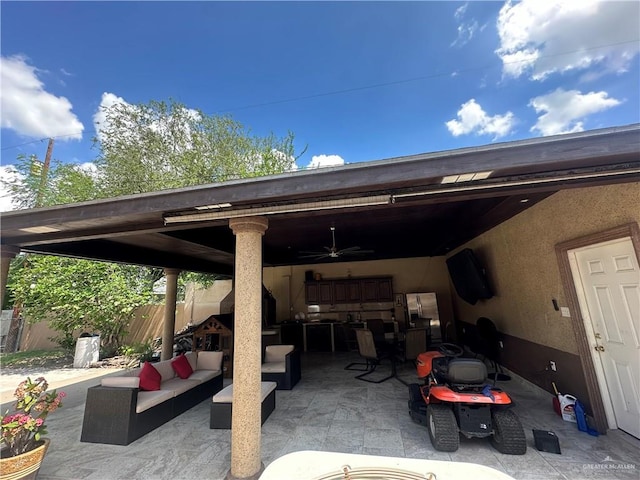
564	110
467	29
28	109
473	119
320	161
543	37
7	174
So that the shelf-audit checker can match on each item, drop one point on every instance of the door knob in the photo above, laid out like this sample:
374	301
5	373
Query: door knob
599	348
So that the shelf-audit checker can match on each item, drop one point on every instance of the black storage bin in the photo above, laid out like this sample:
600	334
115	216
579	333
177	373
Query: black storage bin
546	441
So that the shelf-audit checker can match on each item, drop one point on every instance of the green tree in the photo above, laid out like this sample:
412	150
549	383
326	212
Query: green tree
160	145
63	183
141	148
74	295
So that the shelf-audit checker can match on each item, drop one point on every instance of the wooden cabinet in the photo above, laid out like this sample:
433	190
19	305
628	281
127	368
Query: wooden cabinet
385	290
351	290
369	290
319	292
346	291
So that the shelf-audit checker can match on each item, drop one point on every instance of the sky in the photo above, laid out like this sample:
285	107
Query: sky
353	81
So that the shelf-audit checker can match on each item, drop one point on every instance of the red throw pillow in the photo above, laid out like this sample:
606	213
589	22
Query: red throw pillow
182	366
150	378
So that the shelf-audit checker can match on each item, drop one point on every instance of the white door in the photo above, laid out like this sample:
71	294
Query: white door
610	280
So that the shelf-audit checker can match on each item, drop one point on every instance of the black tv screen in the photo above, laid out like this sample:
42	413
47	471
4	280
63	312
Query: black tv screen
468	277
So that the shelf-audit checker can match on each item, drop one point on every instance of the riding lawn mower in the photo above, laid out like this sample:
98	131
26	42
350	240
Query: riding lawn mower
457	398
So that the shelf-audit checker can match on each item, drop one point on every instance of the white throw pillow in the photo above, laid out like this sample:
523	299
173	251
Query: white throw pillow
209	360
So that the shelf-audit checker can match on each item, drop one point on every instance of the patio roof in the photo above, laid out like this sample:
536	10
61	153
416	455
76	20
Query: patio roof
420	205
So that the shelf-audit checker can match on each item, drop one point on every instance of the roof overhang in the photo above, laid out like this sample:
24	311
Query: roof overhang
420	205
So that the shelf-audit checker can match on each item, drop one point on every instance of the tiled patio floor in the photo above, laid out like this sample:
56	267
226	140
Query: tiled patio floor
331	411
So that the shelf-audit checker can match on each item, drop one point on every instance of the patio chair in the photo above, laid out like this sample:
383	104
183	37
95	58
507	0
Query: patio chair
368	351
489	347
281	365
415	342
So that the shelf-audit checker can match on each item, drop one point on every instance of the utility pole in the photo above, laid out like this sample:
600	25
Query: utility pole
45	173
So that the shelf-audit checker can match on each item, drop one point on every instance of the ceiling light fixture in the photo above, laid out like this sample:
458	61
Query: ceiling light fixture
466	177
213	207
43	229
276	209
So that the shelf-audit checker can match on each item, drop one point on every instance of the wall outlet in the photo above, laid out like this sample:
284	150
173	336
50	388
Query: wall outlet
552	365
564	311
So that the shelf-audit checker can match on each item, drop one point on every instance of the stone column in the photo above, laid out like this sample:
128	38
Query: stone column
6	255
247	357
169	326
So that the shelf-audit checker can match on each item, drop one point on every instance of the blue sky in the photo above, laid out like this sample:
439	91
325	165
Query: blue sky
354	81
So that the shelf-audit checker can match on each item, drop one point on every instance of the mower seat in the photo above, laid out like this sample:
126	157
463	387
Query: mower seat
466	371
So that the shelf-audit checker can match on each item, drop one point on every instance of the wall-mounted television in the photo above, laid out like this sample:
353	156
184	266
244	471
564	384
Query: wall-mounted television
468	277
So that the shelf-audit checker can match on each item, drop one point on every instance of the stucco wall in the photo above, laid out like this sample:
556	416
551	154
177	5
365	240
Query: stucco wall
520	260
146	324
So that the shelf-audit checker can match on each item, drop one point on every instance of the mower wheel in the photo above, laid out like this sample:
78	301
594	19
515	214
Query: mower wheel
508	434
443	428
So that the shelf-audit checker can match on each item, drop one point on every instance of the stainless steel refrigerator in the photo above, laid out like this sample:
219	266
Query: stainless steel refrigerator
422	311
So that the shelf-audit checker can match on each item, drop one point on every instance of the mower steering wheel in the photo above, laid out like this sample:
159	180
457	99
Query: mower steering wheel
450	350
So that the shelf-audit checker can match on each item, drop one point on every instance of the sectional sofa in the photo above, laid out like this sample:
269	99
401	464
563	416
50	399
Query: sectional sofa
123	408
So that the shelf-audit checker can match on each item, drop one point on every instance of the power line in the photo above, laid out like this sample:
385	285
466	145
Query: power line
414	79
40	140
363	87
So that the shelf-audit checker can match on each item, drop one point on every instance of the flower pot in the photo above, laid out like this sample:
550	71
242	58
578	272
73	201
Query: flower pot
23	466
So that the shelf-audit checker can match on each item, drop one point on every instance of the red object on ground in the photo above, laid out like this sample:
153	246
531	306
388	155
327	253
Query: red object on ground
556	400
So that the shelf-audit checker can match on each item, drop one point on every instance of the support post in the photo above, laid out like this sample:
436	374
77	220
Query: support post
170	298
7	254
246	414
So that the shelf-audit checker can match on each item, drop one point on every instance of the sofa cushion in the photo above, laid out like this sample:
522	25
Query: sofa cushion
147	400
274	367
209	361
165	369
226	394
150	378
130	382
181	366
276	353
204	375
179	386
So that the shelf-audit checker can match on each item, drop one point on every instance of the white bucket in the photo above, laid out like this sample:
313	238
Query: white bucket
567	403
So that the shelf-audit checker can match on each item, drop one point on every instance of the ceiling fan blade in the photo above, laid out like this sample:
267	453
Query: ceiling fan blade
349	249
356	252
314	255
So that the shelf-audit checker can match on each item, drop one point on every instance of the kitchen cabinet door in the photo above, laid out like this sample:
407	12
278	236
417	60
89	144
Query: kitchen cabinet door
311	293
369	290
346	291
385	290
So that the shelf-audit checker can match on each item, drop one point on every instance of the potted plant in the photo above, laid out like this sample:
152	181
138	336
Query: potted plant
22	443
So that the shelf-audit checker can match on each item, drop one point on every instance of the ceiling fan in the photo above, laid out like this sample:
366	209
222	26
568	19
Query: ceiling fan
333	252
